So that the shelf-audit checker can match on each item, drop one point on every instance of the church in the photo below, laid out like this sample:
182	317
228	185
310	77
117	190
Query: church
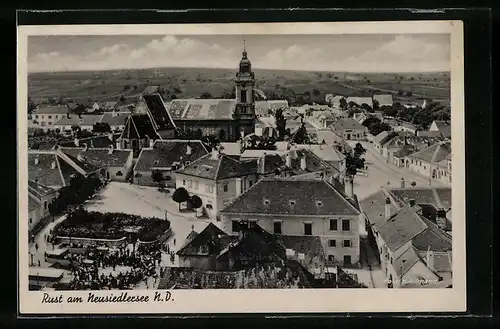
224	119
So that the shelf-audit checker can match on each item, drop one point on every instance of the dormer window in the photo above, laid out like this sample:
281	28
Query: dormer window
266	202
156	163
292	202
319	203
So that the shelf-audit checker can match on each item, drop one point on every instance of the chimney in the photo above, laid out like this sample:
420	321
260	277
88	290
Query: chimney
387	208
429	259
412	202
239	186
111	149
77	142
403	183
303	164
91	143
188	149
115	113
349	187
151	143
288	159
37	160
85	147
118	145
53	165
110	136
441	218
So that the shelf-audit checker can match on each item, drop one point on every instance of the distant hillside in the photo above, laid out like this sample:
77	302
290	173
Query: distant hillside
192	82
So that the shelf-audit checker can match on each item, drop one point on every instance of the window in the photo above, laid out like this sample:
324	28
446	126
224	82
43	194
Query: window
50	116
307	228
41	116
346	244
31	220
333	225
250	183
236	226
391	260
331	258
346	225
277	227
243	96
184	182
225	187
292	202
36	116
196	184
332	243
319	203
45	205
56	116
425	167
347	260
190	183
49	123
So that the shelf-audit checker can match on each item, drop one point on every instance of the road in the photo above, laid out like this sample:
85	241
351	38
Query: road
381	173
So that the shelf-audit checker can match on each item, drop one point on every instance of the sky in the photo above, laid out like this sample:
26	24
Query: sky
337	53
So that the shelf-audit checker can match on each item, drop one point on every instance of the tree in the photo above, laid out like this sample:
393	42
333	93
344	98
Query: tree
359	149
122	98
180	195
280	123
54	208
206	95
157	177
377	128
195	202
367	108
301	136
376	105
316	92
390	111
413	184
101	127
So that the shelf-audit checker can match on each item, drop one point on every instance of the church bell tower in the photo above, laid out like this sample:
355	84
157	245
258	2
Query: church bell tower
245	106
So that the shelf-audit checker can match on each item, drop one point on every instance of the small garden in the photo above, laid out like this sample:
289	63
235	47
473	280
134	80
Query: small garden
95	225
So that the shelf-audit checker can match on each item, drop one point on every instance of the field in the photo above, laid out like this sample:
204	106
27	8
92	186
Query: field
84	87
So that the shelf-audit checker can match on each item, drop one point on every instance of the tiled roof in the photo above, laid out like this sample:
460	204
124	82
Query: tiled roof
158	112
223	167
202	109
100	157
324	152
110	104
33	203
43	172
406	261
102	141
347	123
39	190
420	142
50	109
405	151
360	100
81	163
383	99
292	197
429	133
444	195
384	137
444	128
166	152
420	195
270	104
118	119
432	237
401	228
374	208
231	148
313	163
90	119
434	153
139	126
73	120
443	262
210	241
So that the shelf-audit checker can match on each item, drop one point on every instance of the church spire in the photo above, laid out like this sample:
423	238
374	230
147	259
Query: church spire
244	49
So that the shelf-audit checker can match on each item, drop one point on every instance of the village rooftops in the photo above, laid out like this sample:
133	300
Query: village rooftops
51	109
202	109
52	168
432	237
139	126
347	123
219	166
39	190
116	118
102	141
286	197
434	153
405	151
384	137
405	262
438	197
444	128
211	240
360	100
374	208
166	153
402	138
99	157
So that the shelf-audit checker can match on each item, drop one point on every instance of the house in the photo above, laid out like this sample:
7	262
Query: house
101	141
115	119
217	179
328	154
411	247
44	117
429	133
435	203
383	100
360	117
267	107
400	155
431	161
301	208
93	108
87	121
382	138
349	129
398	125
54	169
116	163
444	128
39	198
126	105
109	106
66	123
335	101
359	101
155	108
138	133
402	140
166	156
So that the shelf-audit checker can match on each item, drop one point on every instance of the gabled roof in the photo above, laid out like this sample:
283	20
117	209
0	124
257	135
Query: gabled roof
347	123
38	190
434	153
406	261
405	151
324	152
117	119
33	203
65	121
100	157
223	167
360	100
156	108
139	126
374	208
432	237
444	128
384	137
437	197
51	109
292	197
43	173
90	119
102	141
211	241
401	228
202	109
167	152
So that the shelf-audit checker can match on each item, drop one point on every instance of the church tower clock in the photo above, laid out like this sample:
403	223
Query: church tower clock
245	107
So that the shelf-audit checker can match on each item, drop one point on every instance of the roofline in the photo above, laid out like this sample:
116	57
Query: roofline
138	157
281	215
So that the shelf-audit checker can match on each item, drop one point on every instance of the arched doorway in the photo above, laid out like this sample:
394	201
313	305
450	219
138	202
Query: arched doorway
434	173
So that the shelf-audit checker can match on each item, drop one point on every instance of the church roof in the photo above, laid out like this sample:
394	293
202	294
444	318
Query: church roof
202	109
158	112
139	126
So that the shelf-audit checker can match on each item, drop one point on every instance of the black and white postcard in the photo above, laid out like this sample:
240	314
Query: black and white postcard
257	167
